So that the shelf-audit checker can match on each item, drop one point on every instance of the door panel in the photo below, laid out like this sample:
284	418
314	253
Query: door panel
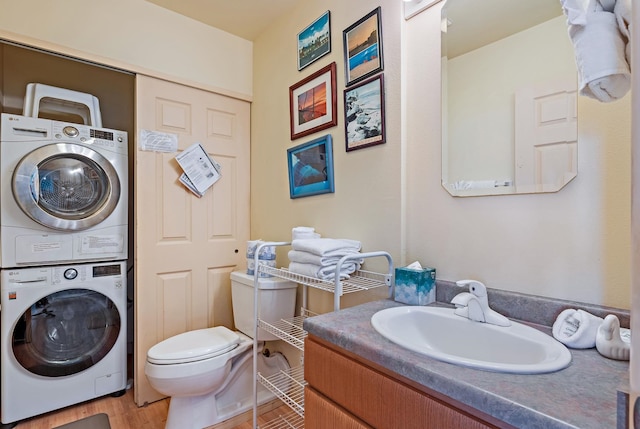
546	135
186	246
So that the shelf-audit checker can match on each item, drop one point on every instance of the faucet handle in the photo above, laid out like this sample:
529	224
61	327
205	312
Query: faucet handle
475	287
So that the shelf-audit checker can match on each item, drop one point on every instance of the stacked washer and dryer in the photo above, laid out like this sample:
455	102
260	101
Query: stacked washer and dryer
63	251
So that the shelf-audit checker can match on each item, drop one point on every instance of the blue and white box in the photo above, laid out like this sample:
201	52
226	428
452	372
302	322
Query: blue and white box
415	285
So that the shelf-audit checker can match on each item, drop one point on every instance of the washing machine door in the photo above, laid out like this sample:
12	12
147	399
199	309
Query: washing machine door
66	332
67	187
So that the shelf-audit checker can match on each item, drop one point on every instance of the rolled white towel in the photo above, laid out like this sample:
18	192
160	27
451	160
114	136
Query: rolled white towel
576	328
326	246
603	71
323	261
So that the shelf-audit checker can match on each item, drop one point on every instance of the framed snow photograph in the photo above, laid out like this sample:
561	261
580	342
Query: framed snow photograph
364	114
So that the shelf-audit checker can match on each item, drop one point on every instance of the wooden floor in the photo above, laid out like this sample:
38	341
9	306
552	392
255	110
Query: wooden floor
125	414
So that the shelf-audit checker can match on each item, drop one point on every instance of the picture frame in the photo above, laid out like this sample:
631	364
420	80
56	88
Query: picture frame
311	168
363	48
364	112
314	41
313	103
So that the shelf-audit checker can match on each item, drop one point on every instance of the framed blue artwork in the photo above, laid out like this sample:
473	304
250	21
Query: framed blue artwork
311	168
314	41
363	48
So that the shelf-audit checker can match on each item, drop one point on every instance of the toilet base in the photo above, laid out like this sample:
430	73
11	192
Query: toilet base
197	412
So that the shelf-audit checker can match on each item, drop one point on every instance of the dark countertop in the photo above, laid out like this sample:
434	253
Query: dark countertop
583	395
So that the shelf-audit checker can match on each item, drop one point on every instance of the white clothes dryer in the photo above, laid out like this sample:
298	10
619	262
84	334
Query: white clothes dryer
63	333
63	192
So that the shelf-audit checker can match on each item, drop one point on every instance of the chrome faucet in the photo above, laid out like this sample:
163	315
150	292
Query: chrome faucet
474	305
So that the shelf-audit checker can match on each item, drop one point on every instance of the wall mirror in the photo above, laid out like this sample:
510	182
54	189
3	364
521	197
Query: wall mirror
509	98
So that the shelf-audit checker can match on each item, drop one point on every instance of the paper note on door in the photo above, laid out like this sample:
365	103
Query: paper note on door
200	170
156	141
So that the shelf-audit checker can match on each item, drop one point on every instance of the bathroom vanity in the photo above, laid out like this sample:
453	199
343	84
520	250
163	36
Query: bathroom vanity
345	390
358	379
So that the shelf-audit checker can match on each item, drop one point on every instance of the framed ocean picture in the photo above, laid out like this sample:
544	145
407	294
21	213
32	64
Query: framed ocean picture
363	48
314	41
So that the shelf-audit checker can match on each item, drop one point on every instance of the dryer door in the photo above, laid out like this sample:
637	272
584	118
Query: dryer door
65	332
67	187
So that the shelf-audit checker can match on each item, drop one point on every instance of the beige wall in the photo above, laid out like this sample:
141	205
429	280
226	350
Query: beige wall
574	244
136	35
366	203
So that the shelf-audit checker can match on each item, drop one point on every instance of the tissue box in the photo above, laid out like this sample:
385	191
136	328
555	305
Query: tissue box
417	287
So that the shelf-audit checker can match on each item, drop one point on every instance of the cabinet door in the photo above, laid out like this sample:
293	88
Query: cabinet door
375	398
186	246
321	413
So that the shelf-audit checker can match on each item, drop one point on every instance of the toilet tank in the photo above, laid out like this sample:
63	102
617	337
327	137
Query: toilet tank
277	300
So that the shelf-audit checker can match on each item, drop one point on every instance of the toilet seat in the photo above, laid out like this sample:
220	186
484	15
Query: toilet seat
193	346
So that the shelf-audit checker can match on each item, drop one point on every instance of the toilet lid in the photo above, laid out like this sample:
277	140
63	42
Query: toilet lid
193	346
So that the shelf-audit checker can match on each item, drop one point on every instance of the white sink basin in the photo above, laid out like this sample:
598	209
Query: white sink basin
438	333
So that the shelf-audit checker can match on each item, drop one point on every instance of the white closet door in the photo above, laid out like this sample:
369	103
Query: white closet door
186	247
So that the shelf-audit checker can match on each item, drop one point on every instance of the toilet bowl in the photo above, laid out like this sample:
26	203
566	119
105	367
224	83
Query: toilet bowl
208	373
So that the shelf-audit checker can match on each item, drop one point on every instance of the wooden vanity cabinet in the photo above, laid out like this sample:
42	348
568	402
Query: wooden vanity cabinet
345	391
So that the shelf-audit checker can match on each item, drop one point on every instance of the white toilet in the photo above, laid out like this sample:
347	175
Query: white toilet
208	373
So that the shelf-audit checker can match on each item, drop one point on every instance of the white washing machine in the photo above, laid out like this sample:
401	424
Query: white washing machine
63	192
63	333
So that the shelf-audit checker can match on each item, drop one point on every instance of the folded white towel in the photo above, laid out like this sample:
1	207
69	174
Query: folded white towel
323	261
303	232
576	328
324	273
326	246
603	70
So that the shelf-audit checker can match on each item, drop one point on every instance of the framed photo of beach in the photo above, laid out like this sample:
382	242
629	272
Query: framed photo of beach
364	114
311	168
313	102
314	41
363	48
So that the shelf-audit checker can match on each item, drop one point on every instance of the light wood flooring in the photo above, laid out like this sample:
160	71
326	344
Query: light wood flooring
125	414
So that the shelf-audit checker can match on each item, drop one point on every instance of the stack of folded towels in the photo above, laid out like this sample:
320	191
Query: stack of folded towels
318	257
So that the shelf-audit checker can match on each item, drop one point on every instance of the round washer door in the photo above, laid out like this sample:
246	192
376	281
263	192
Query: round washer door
66	186
65	332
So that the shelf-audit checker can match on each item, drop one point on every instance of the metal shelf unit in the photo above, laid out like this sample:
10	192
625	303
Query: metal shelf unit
289	385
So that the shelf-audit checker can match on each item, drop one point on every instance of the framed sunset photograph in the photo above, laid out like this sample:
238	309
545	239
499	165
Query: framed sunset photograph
313	102
363	48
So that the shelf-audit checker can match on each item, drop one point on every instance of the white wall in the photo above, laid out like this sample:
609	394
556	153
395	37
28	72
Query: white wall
136	33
